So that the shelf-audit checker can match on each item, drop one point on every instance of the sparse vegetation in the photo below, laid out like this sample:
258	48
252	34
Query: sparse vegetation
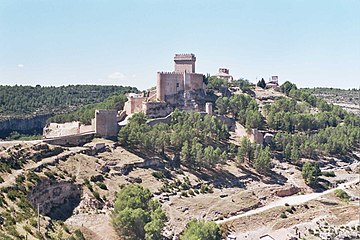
342	194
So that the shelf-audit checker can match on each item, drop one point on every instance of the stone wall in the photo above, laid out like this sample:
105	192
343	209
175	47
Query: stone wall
71	140
169	83
156	109
54	130
193	81
61	129
106	123
134	104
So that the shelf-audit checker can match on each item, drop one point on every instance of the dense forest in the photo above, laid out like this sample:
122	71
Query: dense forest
87	112
24	101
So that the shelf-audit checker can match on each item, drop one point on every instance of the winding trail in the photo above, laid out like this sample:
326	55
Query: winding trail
292	200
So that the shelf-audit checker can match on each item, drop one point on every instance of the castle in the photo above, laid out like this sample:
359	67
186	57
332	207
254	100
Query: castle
179	88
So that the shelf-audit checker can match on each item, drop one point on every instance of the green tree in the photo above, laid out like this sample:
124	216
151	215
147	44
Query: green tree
201	230
310	173
261	83
262	162
137	215
287	86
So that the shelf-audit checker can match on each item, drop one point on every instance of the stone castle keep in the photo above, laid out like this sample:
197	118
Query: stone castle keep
181	80
179	89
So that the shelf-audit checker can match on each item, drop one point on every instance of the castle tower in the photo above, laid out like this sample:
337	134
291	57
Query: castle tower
185	63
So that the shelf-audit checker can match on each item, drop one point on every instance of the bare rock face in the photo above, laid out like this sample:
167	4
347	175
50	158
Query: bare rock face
23	125
89	204
55	199
287	191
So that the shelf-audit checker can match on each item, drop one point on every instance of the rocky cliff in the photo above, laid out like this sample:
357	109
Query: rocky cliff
31	125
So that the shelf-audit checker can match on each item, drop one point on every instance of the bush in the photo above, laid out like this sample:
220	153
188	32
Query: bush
328	174
158	175
97	195
27	228
50	175
191	192
342	194
184	193
283	215
32	177
200	229
289	210
101	185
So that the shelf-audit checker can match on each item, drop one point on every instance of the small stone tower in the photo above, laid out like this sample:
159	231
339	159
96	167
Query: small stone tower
185	63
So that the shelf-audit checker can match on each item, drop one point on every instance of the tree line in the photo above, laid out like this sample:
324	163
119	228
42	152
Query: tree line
21	101
243	108
197	139
85	113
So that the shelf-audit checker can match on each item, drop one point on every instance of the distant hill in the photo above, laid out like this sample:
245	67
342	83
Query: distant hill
26	109
27	101
348	99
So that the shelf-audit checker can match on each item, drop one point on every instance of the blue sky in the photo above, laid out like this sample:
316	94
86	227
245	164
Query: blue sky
61	42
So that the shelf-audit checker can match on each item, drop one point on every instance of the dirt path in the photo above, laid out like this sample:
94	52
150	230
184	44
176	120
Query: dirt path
292	200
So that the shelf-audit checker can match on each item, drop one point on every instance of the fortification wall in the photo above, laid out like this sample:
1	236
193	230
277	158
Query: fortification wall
169	83
193	81
106	123
61	129
71	140
156	109
134	104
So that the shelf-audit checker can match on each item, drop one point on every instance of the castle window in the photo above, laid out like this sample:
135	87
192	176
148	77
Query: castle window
177	85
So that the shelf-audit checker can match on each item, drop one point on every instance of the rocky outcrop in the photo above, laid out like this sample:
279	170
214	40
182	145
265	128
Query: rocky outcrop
55	199
28	125
287	191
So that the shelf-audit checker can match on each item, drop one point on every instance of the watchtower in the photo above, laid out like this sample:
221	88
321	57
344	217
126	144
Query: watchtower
185	63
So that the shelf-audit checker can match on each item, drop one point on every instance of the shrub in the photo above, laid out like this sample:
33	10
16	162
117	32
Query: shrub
342	194
101	185
97	195
1	180
33	222
283	215
158	175
184	194
32	177
289	210
191	192
20	179
50	175
328	174
27	228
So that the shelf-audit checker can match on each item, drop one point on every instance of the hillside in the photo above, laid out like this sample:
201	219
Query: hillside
197	166
24	110
24	101
347	99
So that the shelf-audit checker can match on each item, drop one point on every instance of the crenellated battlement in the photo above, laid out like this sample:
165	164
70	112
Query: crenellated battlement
164	73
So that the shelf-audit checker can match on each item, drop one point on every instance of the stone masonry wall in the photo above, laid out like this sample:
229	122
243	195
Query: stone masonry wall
106	123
